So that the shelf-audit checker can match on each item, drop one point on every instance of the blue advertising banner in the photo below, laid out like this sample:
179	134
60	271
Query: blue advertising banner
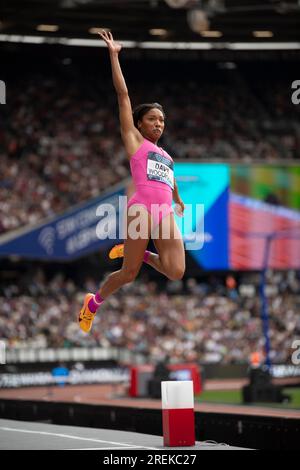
82	230
205	185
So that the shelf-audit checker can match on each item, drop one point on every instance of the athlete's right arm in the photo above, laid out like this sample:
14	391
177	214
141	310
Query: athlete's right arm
131	137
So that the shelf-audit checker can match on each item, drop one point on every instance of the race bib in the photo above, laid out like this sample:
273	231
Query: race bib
160	168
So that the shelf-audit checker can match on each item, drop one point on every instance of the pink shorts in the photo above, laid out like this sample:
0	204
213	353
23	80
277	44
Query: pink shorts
157	201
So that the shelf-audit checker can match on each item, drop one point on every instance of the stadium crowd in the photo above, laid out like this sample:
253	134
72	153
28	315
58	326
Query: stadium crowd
60	145
60	142
210	322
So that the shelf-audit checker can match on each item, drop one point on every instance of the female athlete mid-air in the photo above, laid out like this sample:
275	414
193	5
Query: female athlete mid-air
152	171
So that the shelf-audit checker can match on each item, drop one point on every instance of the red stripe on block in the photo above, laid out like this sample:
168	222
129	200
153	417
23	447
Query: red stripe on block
133	382
179	427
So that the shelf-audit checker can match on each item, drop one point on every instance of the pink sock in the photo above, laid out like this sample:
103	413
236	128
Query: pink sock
95	302
146	256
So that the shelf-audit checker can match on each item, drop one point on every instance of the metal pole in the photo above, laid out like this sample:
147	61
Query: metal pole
264	301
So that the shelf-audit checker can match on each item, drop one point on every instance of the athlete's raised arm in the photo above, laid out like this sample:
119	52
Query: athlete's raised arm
131	136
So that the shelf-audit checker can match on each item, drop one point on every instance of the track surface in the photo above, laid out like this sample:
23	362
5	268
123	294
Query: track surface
39	436
115	395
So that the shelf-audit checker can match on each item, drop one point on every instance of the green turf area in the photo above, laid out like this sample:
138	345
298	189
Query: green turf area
294	394
234	397
221	396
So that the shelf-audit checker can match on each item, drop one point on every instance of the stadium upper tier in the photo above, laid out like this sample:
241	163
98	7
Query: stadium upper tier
60	138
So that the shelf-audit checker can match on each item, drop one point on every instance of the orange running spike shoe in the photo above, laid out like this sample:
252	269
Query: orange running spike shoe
117	251
86	317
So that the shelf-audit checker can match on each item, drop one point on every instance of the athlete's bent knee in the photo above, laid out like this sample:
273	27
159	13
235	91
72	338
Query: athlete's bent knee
177	273
129	275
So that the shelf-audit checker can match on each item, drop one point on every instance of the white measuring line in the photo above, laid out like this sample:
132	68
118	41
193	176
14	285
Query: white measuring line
43	433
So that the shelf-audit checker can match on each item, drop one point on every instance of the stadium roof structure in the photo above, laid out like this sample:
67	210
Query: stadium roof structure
155	20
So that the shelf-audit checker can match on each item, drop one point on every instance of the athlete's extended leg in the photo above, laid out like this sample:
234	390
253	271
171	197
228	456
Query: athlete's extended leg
134	250
133	258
